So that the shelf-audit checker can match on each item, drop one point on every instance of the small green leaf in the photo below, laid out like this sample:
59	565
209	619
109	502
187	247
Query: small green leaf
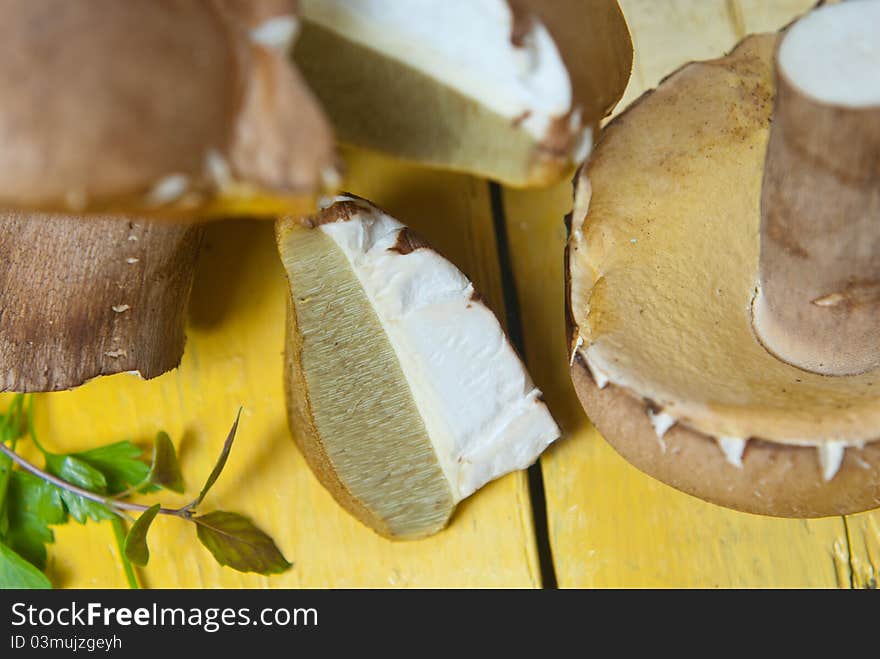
32	504
73	470
136	548
12	423
165	471
29	540
120	464
235	541
49	505
76	471
82	510
39	497
16	572
221	462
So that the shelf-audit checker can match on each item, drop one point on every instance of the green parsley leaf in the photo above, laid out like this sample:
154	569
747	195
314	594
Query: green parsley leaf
73	470
32	504
5	473
16	572
119	463
166	470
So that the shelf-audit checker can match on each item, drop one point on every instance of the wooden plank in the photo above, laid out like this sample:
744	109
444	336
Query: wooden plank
233	357
609	524
670	33
863	532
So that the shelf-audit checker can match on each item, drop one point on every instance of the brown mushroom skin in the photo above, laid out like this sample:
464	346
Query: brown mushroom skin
819	302
131	93
597	87
83	298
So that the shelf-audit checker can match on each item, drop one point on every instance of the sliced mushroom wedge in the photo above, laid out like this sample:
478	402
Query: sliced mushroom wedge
404	393
723	243
506	90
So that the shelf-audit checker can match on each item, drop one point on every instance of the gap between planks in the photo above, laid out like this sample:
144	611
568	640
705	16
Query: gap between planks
537	496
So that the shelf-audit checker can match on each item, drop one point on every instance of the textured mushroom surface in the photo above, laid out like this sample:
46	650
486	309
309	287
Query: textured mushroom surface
818	306
403	390
82	298
509	90
120	114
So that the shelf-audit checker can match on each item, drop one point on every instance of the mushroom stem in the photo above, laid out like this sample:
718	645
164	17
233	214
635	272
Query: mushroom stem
818	306
82	298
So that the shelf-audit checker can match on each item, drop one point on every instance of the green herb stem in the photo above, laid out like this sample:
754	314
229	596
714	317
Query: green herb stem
119	532
6	472
12	438
30	425
113	504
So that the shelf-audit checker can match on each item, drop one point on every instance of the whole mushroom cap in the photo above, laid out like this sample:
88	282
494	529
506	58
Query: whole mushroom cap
132	105
663	266
116	115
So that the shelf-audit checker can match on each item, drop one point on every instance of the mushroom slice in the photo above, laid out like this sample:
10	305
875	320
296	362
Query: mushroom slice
404	393
663	267
507	90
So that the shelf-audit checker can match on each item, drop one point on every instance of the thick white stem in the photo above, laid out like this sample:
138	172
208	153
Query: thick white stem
818	306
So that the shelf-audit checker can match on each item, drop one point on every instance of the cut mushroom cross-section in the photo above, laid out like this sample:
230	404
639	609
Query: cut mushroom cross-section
668	249
508	90
403	391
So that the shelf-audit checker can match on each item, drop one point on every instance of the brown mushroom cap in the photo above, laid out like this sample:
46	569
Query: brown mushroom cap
663	266
132	105
133	112
777	480
83	298
600	65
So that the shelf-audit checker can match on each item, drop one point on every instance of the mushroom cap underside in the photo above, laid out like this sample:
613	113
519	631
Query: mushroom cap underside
663	271
506	90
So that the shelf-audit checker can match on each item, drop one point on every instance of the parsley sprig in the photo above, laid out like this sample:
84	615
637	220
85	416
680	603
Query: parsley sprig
97	484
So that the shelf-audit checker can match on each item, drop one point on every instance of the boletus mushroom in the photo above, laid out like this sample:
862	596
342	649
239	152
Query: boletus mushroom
118	115
404	393
506	89
724	269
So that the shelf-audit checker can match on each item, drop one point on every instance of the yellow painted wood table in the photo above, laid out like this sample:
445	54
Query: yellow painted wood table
600	522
